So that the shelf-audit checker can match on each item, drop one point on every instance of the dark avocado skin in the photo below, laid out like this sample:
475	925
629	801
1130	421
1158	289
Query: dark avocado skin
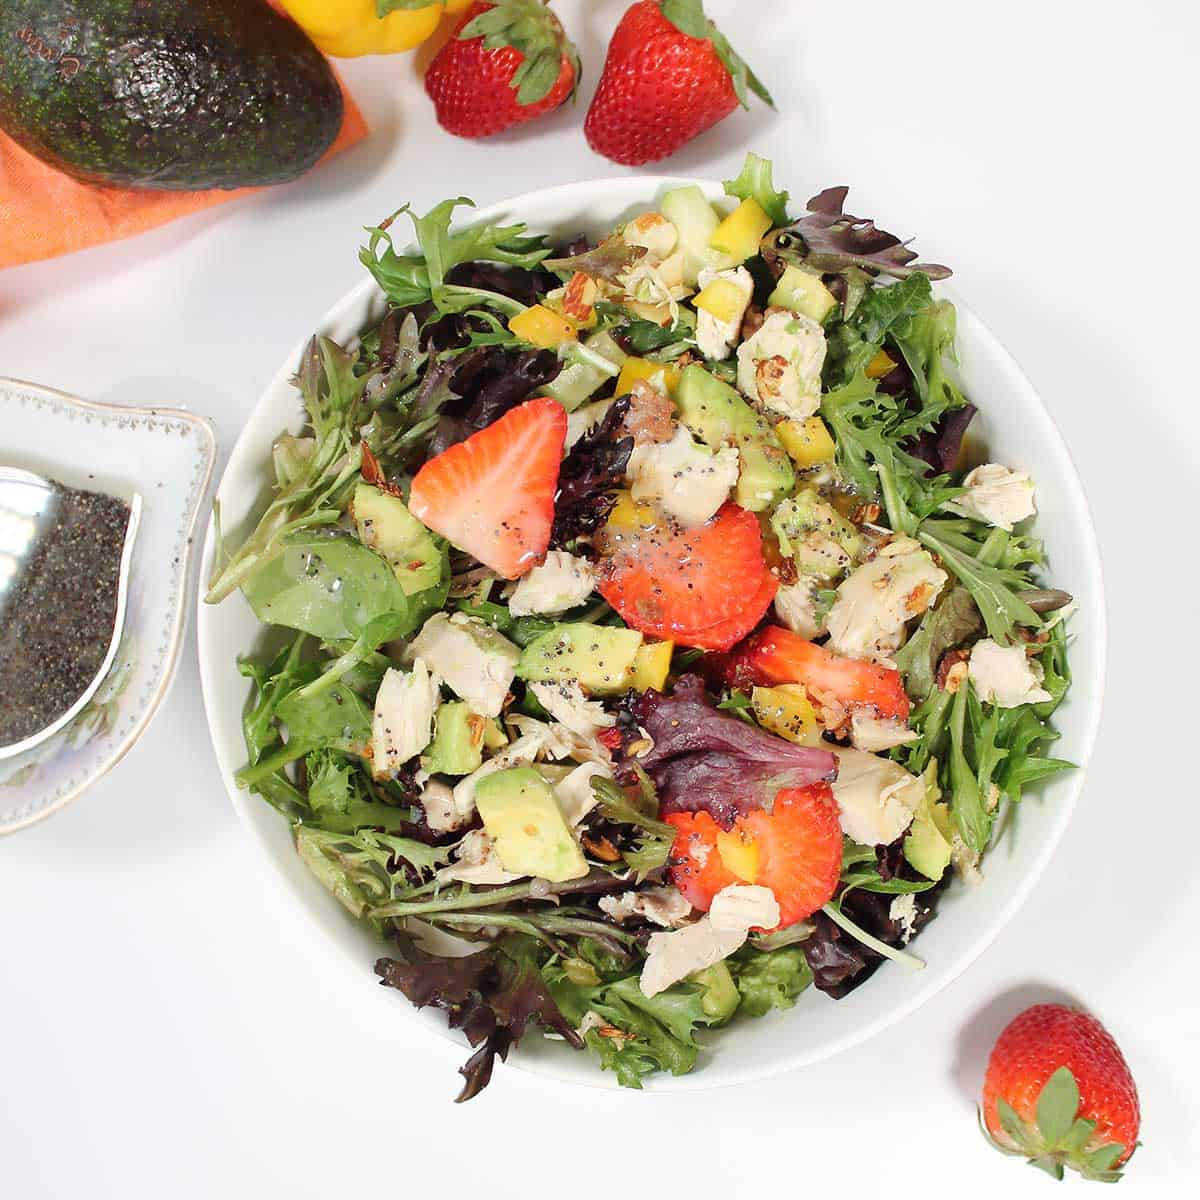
175	94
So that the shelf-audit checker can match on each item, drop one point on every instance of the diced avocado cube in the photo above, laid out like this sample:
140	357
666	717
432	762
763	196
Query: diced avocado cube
599	657
384	523
802	292
815	535
523	818
457	746
718	416
582	375
927	846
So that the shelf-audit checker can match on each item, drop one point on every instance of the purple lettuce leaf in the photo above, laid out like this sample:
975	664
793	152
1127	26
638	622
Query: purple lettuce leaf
829	239
590	476
838	961
703	760
491	996
486	384
939	447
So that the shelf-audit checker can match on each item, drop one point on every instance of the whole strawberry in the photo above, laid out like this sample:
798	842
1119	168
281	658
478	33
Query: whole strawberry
670	75
1058	1092
507	63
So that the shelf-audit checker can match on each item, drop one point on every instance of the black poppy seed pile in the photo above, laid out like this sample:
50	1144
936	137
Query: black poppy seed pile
58	623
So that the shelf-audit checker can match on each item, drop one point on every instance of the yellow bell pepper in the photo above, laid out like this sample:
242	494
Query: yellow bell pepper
642	370
349	28
541	326
808	441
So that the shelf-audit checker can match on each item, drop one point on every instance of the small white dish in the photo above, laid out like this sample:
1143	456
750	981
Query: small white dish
1015	428
166	457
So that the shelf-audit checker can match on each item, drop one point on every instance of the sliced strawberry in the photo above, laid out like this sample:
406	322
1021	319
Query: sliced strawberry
729	633
774	655
696	866
799	849
493	495
702	587
795	850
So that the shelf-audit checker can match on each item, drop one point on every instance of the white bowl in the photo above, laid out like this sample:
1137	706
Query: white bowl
1015	428
166	456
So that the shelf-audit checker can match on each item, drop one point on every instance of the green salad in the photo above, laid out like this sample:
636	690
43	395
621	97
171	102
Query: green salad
650	642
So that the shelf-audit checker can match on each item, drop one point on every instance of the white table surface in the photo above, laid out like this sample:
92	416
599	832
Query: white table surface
168	1026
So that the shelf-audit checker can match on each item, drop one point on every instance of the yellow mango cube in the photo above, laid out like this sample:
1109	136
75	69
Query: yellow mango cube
740	233
739	854
787	711
880	365
808	442
540	326
637	370
723	298
651	665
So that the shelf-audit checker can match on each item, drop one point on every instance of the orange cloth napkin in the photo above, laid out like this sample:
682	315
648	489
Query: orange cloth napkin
44	213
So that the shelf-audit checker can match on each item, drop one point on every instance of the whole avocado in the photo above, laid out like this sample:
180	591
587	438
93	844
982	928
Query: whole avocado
174	94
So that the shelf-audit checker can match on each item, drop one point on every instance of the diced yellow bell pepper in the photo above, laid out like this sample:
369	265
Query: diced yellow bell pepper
740	233
539	326
808	442
651	665
739	854
787	711
637	370
349	28
880	365
724	299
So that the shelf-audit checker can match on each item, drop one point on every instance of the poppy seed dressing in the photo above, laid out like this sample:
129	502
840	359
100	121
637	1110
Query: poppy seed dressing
57	623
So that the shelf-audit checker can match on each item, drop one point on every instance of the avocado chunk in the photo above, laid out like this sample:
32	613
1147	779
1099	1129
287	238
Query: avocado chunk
927	844
721	996
522	817
182	94
385	524
802	292
718	416
815	535
457	746
599	657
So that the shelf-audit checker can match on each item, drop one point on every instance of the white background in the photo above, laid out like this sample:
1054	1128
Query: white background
169	1028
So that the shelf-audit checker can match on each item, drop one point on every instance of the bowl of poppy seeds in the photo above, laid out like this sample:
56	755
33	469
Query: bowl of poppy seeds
62	600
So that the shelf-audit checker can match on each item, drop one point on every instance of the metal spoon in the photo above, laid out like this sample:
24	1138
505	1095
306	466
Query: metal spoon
30	509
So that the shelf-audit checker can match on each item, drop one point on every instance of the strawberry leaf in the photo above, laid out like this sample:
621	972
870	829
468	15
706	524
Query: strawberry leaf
1077	1136
1105	1158
1057	1104
1013	1125
689	18
534	32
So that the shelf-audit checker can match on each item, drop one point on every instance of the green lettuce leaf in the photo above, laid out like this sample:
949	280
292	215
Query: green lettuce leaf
755	183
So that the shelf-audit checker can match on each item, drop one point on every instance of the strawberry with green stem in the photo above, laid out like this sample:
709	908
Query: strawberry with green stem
1059	1093
507	63
670	74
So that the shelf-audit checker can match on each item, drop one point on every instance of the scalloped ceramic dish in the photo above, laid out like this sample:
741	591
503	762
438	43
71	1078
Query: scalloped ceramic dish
970	917
167	457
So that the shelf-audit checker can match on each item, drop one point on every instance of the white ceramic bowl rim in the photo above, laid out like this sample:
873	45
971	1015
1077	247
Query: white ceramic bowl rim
600	203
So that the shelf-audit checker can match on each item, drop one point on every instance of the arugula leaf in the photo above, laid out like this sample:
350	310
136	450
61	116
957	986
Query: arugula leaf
357	868
854	342
990	586
321	484
755	183
411	279
967	805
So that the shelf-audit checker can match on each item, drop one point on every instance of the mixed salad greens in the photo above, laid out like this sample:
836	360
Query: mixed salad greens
642	654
